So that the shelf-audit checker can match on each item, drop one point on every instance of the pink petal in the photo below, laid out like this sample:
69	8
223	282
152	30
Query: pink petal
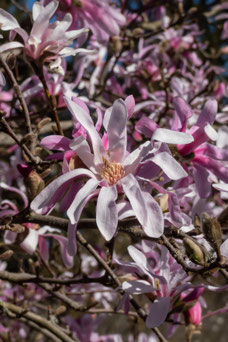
169	165
158	312
117	131
48	197
146	209
208	113
106	212
172	137
80	200
130	105
56	142
86	121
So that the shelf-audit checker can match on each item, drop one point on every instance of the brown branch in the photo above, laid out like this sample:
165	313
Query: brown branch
13	310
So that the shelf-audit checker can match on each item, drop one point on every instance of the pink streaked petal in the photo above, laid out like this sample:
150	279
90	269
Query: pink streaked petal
130	105
158	312
82	148
212	152
172	137
2	80
63	243
80	200
61	28
208	113
201	179
42	21
43	247
183	111
146	126
117	131
106	212
137	287
72	243
138	257
216	167
10	46
132	161
53	192
30	242
7	21
86	121
169	165
56	142
144	206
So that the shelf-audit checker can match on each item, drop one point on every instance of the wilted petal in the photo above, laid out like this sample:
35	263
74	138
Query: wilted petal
106	212
172	137
169	165
158	312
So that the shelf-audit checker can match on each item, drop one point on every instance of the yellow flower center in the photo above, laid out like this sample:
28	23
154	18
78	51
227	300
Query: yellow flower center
112	172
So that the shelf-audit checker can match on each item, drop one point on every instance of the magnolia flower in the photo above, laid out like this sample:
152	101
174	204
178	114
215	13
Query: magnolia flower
47	41
102	18
109	171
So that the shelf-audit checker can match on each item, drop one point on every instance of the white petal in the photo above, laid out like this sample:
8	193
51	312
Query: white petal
221	186
80	200
172	137
106	212
158	312
138	257
117	131
7	21
211	132
169	165
86	121
30	242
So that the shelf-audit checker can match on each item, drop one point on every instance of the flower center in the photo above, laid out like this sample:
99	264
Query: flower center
112	172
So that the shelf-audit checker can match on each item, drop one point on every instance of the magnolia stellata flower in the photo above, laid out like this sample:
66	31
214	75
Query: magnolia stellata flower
103	19
47	41
110	172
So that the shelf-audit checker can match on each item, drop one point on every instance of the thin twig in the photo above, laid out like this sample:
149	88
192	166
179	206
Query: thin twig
19	94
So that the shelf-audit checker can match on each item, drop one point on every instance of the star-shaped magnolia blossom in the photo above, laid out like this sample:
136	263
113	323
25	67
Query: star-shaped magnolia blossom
111	171
48	41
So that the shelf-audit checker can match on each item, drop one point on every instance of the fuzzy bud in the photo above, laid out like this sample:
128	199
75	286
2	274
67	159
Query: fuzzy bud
33	182
195	251
212	231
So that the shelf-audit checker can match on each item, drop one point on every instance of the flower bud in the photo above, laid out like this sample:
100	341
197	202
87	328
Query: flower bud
195	251
33	182
212	231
